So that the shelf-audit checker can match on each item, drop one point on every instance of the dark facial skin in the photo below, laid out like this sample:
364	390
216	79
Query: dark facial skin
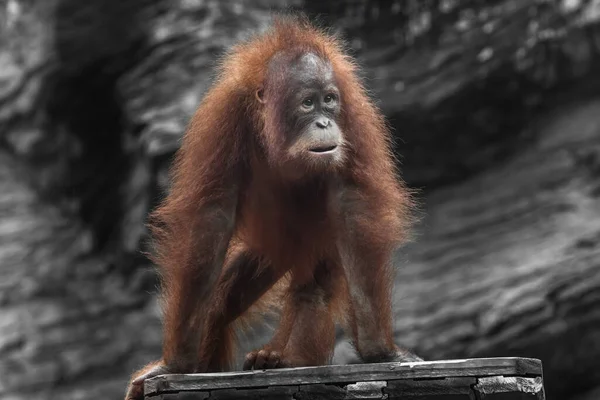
309	100
314	106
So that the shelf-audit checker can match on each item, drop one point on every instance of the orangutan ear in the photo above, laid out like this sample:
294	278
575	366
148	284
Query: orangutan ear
260	95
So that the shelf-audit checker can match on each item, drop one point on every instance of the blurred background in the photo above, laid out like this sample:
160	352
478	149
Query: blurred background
495	106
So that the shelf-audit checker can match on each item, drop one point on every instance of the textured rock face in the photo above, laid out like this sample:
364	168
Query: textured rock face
495	108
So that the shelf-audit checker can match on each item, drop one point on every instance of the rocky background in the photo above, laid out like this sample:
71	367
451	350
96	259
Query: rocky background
496	108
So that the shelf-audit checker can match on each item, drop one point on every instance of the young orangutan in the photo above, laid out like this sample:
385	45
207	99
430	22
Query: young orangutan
285	171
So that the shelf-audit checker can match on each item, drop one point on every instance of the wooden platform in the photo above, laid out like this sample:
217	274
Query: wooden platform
471	379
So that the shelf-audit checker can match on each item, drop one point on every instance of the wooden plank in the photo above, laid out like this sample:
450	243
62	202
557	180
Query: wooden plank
321	392
353	373
362	390
509	388
490	388
367	390
181	396
448	389
271	393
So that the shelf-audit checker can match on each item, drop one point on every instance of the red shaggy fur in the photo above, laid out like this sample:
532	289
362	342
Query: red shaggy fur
219	166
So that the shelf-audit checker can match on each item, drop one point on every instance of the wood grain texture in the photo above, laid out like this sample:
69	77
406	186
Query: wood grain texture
271	393
509	388
182	396
476	379
361	390
322	392
450	388
344	374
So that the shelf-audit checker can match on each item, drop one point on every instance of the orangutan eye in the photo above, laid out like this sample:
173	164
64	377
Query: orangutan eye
329	98
308	103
